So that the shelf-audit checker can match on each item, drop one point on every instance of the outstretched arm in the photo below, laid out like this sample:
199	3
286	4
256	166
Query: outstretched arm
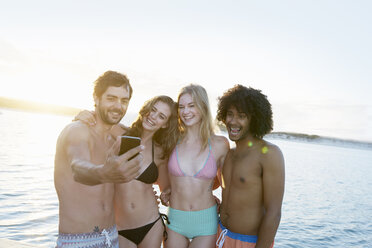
273	190
116	169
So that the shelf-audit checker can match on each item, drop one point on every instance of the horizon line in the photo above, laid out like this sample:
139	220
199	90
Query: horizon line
47	108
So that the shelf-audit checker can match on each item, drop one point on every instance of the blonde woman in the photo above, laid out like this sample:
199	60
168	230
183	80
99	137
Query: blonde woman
192	167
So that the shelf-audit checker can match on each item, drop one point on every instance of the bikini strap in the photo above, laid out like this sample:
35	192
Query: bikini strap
152	144
164	217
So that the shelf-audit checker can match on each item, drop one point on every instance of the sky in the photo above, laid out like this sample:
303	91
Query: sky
311	58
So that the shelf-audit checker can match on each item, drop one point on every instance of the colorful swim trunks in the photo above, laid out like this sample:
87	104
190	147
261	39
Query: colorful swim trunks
105	238
229	239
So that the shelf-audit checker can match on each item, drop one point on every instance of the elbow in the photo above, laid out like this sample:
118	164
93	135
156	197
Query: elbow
84	173
278	216
75	174
79	178
76	178
275	215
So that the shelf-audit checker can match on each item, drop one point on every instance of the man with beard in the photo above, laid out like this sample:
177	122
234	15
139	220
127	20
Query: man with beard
86	168
252	177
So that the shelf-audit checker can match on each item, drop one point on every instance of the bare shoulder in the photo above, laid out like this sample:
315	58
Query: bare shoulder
118	130
230	153
75	131
272	148
220	146
219	141
271	153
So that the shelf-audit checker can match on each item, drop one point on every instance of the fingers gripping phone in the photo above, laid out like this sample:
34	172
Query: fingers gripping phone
127	143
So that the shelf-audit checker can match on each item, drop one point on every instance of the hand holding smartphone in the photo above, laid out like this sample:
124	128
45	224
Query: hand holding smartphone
127	143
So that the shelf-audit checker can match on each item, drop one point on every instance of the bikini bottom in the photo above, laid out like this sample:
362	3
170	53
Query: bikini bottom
136	235
192	224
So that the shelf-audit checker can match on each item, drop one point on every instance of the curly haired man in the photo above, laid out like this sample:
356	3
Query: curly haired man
252	177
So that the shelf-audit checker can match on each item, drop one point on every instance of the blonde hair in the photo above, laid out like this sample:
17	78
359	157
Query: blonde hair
200	98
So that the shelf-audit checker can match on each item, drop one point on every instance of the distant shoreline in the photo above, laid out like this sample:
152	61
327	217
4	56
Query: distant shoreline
311	138
29	106
319	139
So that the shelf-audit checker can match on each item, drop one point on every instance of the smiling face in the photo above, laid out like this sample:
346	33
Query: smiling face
157	117
188	111
113	104
237	124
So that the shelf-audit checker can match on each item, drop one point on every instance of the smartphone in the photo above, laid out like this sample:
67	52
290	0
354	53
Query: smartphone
127	143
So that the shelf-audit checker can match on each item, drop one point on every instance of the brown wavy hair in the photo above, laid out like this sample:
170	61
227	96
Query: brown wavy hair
111	78
165	137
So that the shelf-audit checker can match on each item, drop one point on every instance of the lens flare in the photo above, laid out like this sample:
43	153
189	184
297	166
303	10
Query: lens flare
250	143
264	150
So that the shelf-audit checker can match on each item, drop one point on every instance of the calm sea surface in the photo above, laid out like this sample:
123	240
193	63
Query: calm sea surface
327	202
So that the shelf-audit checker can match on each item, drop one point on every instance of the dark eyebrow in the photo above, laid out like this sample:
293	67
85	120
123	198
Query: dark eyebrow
115	97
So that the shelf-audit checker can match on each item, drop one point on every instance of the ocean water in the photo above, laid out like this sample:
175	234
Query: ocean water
327	201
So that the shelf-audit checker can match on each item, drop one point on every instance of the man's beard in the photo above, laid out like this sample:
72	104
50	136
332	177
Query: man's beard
104	115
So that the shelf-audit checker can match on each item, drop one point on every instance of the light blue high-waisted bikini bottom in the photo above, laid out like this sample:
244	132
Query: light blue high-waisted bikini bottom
193	223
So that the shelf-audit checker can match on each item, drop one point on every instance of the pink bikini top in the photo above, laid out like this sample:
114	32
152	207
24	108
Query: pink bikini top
208	171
